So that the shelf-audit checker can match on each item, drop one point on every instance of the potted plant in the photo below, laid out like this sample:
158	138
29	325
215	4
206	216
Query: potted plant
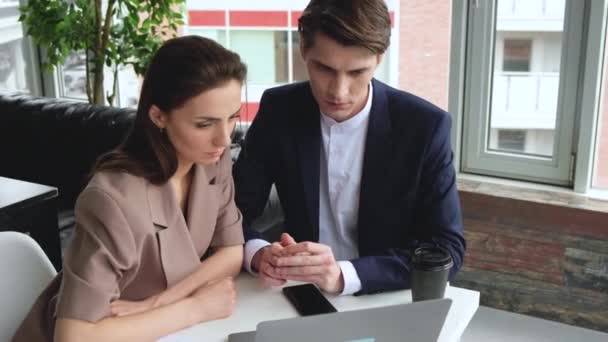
111	33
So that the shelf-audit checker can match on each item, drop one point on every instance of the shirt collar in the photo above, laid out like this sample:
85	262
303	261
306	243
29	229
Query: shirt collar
356	120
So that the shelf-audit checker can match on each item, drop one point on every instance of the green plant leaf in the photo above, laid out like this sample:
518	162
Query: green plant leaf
62	27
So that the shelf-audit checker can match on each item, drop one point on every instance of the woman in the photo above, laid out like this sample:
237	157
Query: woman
153	209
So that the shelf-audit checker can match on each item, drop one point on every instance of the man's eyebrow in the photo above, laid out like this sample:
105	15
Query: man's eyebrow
322	64
361	69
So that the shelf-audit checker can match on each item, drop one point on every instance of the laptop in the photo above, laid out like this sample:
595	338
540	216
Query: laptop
417	322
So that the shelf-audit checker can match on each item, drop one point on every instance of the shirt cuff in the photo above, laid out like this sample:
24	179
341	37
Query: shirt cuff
352	283
252	247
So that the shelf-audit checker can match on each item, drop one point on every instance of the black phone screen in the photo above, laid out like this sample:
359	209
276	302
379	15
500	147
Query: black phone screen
308	300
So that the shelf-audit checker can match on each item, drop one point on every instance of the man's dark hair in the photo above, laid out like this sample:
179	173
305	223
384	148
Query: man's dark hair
364	23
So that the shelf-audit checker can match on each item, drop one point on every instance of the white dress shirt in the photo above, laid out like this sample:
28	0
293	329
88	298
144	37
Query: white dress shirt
341	165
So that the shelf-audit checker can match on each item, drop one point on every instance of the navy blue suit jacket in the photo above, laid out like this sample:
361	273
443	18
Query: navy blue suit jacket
408	190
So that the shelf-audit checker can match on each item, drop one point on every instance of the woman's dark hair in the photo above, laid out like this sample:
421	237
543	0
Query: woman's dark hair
181	69
364	23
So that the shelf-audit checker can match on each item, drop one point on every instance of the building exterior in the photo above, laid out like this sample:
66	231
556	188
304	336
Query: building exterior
526	64
265	34
526	75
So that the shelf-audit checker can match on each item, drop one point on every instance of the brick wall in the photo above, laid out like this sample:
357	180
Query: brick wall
537	259
424	49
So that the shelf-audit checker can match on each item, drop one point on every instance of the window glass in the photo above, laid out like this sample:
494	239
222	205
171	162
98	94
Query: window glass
73	74
526	76
382	72
264	52
214	34
15	66
299	68
129	86
514	140
15	53
517	54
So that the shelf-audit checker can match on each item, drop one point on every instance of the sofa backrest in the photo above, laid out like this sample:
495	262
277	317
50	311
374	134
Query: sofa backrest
56	141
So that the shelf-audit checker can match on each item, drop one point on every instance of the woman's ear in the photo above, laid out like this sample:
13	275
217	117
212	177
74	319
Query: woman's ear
158	117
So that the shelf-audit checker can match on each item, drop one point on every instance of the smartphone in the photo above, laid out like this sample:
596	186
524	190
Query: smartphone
308	300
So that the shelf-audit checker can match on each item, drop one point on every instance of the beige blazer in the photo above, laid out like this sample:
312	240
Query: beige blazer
132	241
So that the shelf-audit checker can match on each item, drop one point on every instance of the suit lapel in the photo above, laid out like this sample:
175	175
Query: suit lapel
309	145
161	200
203	204
375	161
177	253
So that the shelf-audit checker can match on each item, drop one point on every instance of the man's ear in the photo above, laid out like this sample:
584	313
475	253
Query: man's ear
158	117
379	57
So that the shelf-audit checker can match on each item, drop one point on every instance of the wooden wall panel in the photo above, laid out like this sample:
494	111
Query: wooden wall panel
539	259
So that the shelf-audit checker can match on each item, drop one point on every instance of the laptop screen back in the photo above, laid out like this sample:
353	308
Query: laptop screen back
418	322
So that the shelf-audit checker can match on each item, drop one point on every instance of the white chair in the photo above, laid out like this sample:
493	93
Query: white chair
26	271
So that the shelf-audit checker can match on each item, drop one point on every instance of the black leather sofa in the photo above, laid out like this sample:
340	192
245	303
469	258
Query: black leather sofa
56	141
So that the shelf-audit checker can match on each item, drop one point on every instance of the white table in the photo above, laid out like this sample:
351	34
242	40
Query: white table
256	304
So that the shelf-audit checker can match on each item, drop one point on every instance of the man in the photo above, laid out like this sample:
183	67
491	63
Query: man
363	171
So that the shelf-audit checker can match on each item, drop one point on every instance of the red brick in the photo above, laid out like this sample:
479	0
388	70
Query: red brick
424	47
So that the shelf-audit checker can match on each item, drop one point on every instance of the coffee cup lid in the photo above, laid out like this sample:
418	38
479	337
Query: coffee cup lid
432	258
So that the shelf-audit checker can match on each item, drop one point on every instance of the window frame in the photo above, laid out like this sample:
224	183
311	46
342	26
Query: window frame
588	95
590	99
475	155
